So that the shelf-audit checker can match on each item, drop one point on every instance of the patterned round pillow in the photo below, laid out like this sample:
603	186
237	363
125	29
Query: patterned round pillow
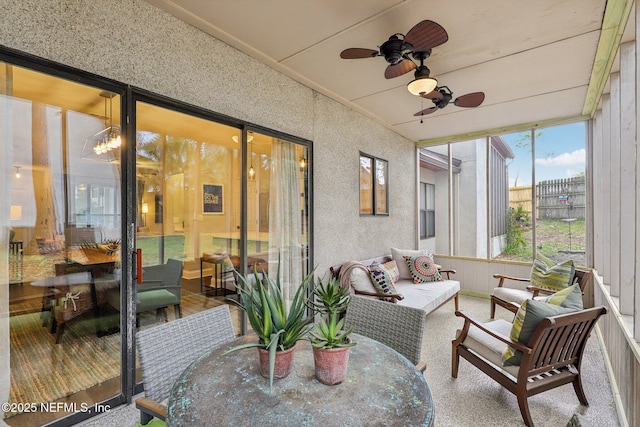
423	269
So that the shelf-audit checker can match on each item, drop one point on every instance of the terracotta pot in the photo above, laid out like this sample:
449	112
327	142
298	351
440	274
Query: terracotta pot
331	364
283	365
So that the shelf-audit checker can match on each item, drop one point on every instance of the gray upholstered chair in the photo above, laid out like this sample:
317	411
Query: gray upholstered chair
153	296
161	288
166	350
398	327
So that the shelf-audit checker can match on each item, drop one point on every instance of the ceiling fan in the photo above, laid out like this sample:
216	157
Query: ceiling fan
442	96
397	50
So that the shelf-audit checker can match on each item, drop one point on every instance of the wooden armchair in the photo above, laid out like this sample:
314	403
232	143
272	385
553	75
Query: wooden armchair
551	358
166	350
511	298
396	326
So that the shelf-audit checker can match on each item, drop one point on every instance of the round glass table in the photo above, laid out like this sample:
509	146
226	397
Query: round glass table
382	388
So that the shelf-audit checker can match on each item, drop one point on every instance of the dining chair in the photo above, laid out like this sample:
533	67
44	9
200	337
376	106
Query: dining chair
161	288
398	327
166	350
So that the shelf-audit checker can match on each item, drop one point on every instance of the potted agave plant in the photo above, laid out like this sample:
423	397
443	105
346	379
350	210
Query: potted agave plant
329	339
278	329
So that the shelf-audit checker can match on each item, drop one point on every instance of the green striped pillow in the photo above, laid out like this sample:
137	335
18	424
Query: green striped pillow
529	315
545	273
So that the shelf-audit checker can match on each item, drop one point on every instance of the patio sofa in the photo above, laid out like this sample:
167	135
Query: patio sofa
427	296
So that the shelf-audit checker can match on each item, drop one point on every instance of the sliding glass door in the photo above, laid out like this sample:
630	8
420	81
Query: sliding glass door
61	142
208	199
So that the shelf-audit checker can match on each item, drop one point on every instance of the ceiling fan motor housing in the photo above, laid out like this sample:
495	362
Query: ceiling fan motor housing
395	49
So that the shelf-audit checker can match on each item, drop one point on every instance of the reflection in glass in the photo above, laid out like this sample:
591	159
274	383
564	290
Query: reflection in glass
65	245
366	185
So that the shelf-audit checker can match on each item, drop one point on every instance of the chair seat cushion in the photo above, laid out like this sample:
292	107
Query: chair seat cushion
159	298
489	347
517	296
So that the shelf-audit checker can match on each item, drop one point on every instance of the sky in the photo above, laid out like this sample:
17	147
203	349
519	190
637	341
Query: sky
560	153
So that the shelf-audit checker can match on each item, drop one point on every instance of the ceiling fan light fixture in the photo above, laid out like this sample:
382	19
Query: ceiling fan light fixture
422	85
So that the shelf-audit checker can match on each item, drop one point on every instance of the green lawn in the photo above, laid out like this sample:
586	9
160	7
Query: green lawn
553	240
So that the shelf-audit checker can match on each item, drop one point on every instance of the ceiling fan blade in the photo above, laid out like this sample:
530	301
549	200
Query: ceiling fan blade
426	111
469	100
425	35
399	69
357	53
434	94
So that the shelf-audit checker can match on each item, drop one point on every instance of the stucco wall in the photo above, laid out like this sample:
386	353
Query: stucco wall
135	43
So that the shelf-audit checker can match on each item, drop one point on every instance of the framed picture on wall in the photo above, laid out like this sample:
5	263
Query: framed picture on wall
212	199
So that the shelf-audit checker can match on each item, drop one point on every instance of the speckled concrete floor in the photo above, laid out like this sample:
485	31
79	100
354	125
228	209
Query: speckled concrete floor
474	399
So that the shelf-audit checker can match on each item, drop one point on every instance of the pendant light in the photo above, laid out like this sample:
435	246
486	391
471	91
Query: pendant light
252	171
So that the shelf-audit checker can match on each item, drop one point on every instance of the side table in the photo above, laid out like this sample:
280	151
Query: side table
218	278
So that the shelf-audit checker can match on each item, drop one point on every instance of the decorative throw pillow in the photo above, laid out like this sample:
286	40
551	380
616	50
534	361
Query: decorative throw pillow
545	273
529	315
398	256
570	297
382	280
391	267
423	269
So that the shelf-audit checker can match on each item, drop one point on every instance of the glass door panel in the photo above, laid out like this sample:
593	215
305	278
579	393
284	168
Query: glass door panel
62	140
188	203
277	215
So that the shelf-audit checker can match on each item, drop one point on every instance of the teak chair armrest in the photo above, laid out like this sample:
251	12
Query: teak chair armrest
448	273
150	408
395	297
502	278
470	320
536	290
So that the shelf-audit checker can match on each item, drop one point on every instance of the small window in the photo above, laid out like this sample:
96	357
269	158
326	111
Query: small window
374	186
427	210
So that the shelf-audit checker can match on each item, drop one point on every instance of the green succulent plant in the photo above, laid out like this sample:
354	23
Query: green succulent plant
277	328
330	334
329	297
331	300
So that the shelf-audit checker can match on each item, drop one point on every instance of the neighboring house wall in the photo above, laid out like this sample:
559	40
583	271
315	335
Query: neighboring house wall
431	177
472	201
149	49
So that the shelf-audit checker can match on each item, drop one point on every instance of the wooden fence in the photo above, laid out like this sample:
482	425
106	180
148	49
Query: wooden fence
557	198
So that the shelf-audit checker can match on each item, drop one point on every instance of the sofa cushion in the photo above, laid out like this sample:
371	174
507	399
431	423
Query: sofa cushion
398	256
545	273
361	281
422	268
426	296
525	322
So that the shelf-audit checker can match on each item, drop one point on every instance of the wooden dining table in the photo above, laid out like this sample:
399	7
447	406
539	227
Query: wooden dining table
381	388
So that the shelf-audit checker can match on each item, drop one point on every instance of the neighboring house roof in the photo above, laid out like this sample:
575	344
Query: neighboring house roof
437	162
502	147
